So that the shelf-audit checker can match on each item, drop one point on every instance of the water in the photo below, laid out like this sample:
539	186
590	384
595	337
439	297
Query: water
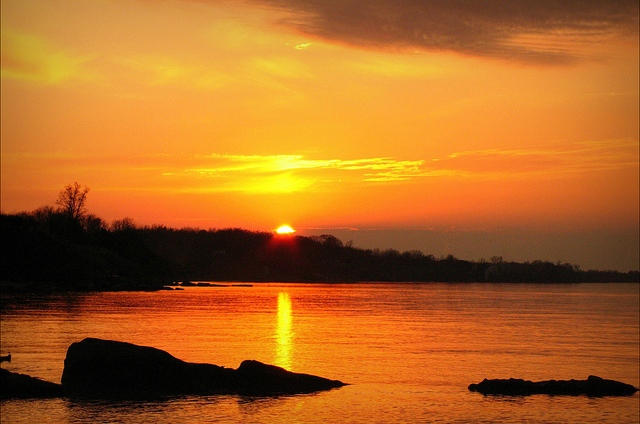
409	351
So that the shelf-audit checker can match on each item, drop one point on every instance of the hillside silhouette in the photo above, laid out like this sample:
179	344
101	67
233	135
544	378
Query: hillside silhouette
49	250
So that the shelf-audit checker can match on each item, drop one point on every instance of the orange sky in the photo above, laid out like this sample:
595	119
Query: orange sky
461	123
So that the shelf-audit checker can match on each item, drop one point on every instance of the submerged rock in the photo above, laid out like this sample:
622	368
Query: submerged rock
14	385
105	368
592	386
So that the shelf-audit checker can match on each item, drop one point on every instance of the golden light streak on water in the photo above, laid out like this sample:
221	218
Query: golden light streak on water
284	333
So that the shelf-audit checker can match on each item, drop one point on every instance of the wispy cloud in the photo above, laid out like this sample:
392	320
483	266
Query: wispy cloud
287	173
256	174
555	158
35	58
30	58
265	174
540	31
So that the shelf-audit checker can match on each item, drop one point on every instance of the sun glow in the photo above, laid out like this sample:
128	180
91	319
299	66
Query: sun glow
285	229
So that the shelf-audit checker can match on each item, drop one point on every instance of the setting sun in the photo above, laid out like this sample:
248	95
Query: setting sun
285	229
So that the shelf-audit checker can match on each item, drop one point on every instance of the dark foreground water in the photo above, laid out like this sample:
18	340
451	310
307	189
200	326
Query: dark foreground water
409	351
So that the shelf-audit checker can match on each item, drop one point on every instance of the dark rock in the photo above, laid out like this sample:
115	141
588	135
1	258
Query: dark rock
95	367
104	368
255	378
592	386
14	385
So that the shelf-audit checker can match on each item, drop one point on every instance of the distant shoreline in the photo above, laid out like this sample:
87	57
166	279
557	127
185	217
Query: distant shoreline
55	254
10	288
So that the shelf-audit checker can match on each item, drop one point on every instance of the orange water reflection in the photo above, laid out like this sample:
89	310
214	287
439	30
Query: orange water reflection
409	351
284	333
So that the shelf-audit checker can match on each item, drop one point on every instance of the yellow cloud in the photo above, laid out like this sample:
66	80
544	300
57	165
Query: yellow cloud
28	57
279	163
279	174
385	179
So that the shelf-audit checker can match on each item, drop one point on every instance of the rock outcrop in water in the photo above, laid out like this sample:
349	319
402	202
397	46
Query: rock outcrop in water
21	386
104	368
592	386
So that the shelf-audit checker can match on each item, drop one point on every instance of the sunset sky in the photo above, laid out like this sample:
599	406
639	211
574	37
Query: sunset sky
476	129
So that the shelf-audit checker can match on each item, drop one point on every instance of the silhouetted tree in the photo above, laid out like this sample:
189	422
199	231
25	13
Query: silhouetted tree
93	224
43	214
72	200
123	224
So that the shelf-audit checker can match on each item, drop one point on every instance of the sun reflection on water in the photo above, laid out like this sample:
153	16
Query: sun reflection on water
284	334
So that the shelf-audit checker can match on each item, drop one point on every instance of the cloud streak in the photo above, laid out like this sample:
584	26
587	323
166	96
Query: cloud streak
290	173
265	174
532	31
550	160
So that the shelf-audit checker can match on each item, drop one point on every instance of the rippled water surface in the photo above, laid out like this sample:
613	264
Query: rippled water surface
409	351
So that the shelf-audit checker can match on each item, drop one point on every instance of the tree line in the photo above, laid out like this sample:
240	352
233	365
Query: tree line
67	248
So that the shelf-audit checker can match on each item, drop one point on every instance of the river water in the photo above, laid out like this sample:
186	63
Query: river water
408	351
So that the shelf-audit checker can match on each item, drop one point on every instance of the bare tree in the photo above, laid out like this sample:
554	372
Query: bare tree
124	224
72	200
